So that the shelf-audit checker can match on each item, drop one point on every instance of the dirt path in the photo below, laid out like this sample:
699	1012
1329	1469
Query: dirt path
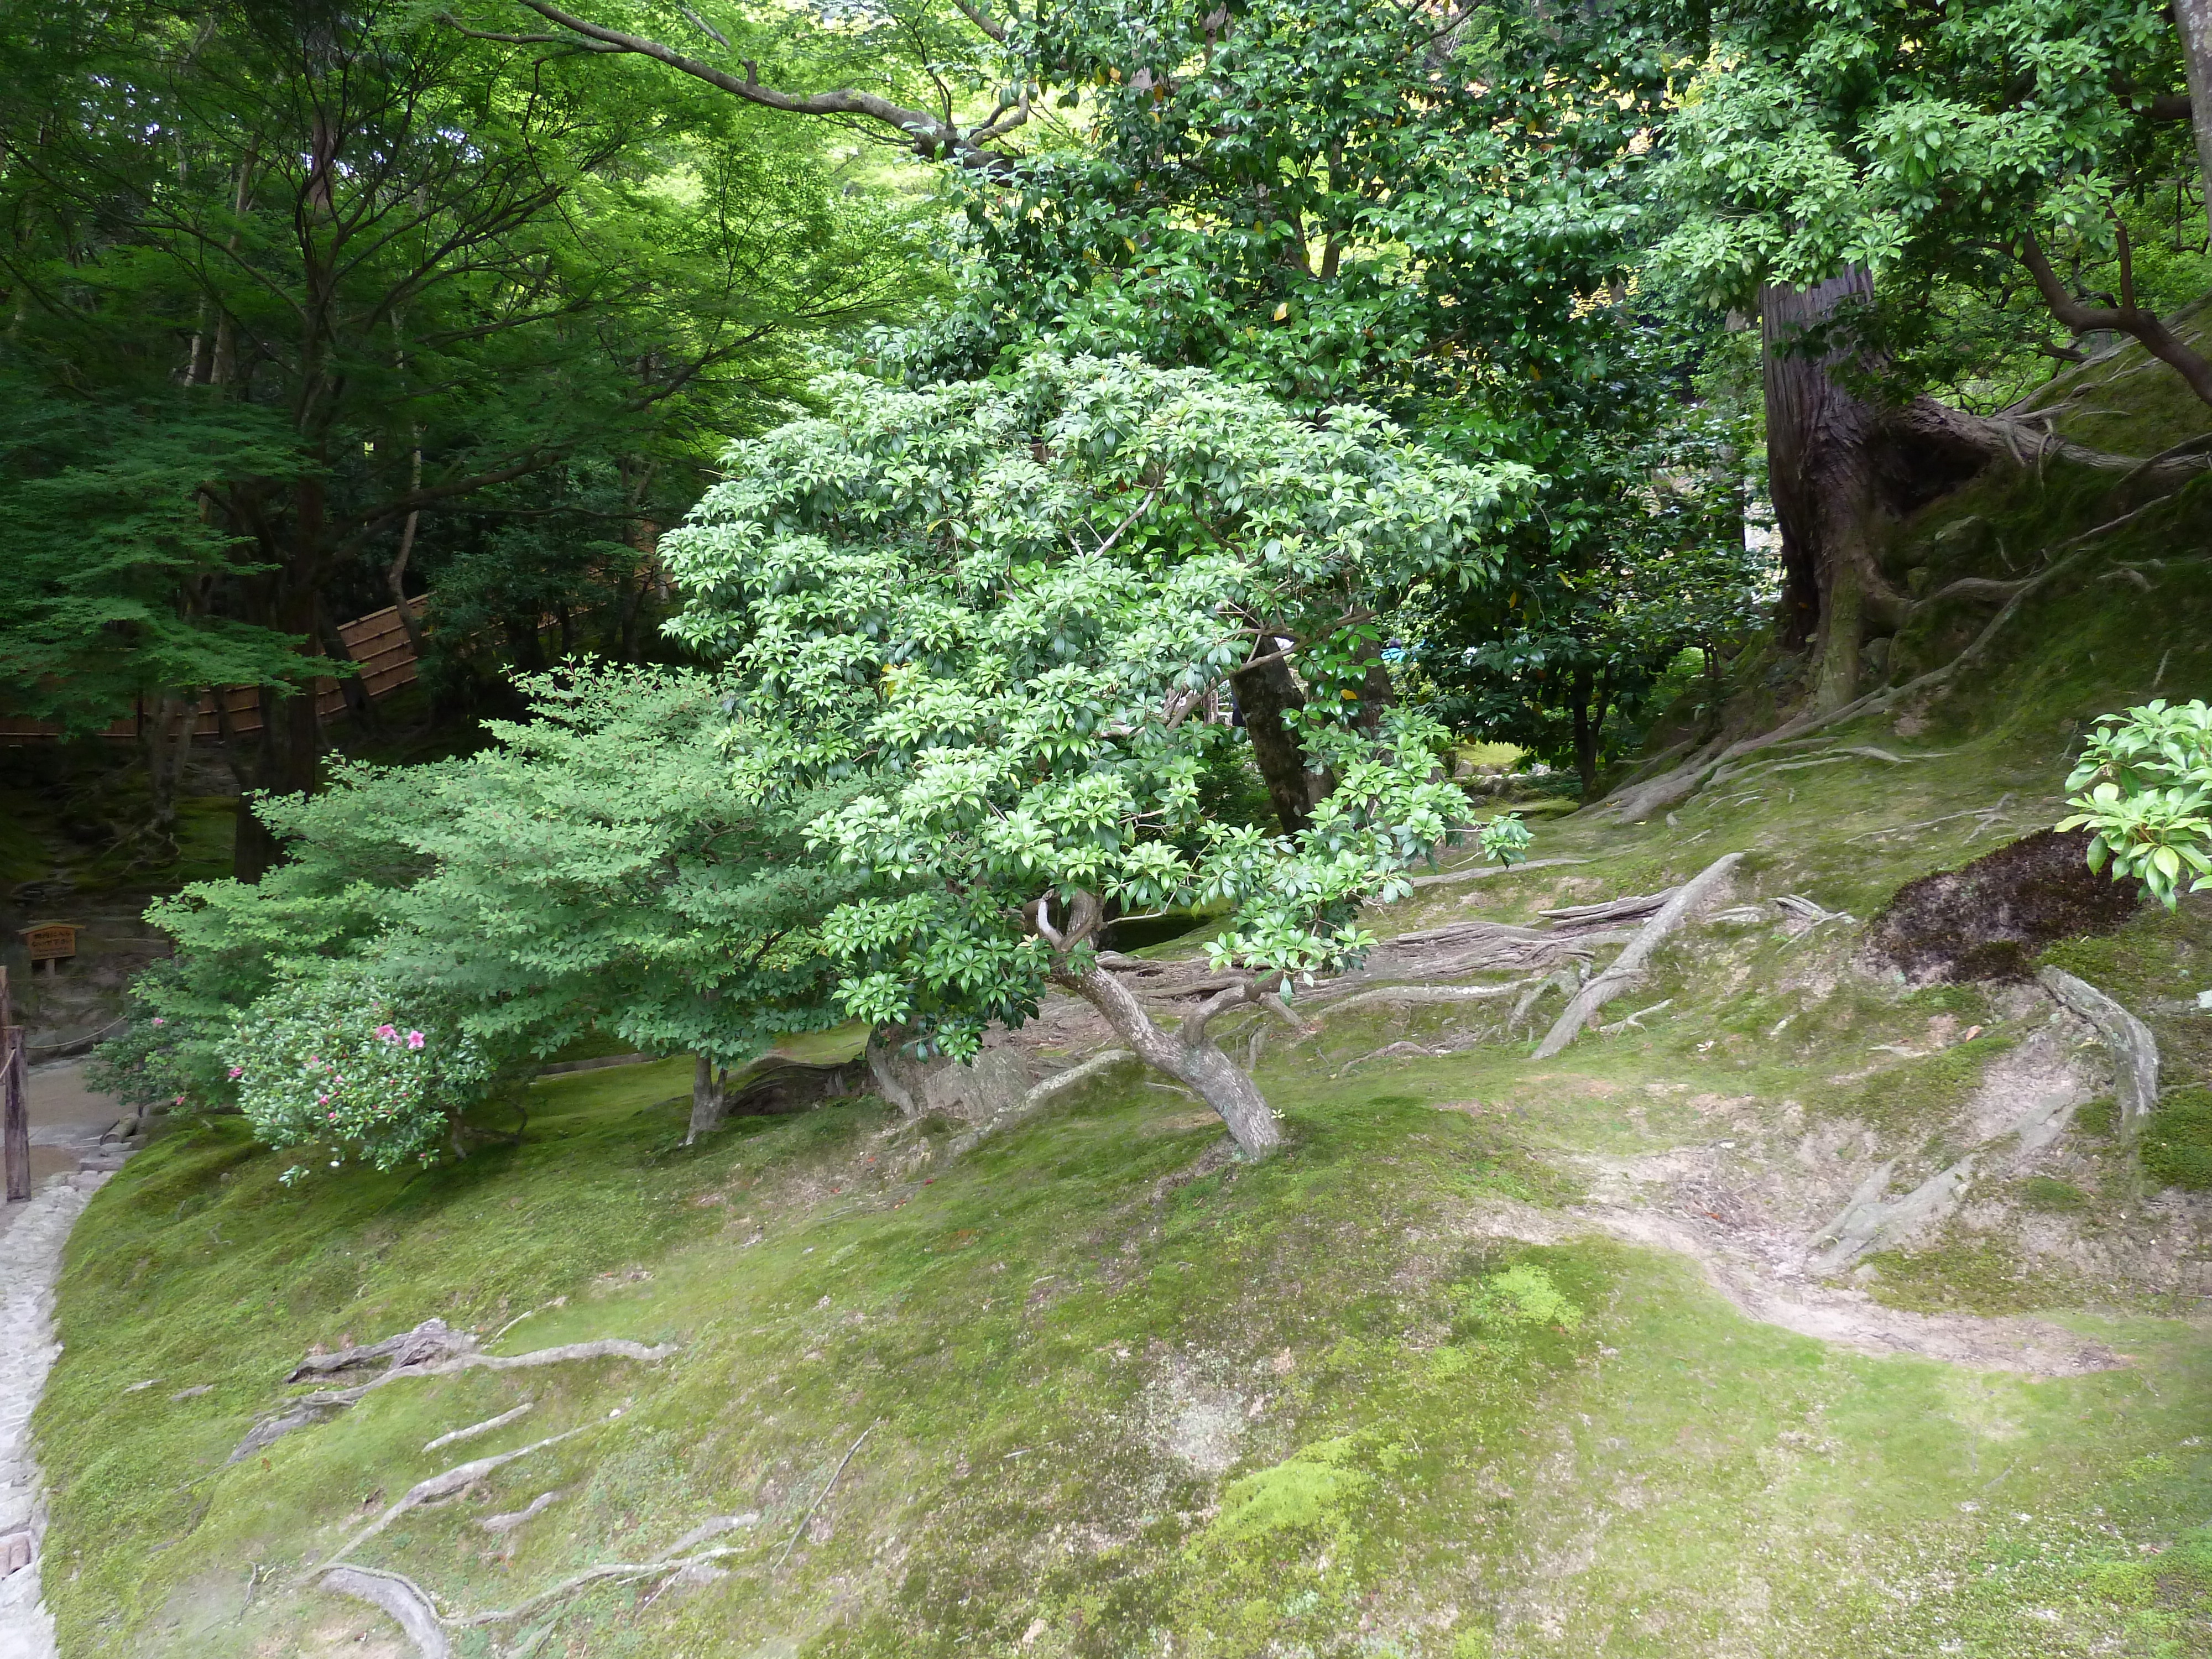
1762	1278
66	1122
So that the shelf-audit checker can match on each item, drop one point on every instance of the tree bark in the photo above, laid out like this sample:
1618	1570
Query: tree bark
1188	1055
1821	443
1588	722
1265	695
2194	18
709	1101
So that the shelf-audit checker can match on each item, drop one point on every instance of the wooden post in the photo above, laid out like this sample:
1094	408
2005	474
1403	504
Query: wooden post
14	1104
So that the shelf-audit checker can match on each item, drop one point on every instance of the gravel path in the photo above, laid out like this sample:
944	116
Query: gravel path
30	1261
66	1121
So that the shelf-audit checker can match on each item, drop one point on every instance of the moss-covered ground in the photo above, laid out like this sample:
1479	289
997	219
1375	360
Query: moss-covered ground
1092	1390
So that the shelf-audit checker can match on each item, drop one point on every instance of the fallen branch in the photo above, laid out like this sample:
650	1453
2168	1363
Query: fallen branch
1629	965
1797	905
2133	1049
793	1542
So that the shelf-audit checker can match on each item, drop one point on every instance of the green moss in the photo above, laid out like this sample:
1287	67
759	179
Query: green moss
1908	1100
2175	1144
1313	1488
2048	1193
1965	1272
2097	1118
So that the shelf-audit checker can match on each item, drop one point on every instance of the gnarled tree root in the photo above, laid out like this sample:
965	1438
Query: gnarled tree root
312	1408
2133	1049
1628	966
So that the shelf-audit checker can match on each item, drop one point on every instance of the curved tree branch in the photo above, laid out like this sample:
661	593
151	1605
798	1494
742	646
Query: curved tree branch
931	137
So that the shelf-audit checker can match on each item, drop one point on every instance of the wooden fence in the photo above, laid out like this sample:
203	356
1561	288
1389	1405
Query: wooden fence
378	641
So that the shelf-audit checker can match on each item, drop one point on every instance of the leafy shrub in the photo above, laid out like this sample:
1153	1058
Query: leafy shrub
2149	774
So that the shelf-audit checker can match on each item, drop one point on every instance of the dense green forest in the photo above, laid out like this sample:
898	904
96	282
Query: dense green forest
910	570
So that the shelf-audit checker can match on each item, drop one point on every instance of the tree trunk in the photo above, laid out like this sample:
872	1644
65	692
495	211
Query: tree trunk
1189	1056
1586	732
709	1101
166	734
897	1075
2195	19
1823	449
1265	695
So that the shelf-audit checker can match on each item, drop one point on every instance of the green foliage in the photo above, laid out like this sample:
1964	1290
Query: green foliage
596	870
2148	776
1504	839
2175	1143
1929	148
999	608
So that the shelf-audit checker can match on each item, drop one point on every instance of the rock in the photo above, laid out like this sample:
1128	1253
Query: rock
996	1082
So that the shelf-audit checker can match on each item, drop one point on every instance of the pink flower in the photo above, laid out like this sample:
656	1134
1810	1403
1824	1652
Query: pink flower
414	1039
388	1033
158	1020
322	1100
334	1117
236	1073
180	1100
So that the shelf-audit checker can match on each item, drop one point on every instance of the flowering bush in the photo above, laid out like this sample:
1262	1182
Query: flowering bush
327	1060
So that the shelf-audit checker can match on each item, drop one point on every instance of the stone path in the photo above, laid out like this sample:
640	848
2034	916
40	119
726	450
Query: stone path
66	1123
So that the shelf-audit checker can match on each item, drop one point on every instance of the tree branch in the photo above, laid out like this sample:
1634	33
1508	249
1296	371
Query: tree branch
929	136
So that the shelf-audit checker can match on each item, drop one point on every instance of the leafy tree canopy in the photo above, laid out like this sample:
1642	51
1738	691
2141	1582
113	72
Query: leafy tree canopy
1003	611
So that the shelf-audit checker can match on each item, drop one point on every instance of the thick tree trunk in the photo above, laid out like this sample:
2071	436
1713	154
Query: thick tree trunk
1264	695
895	1074
1823	449
166	734
1189	1056
2195	19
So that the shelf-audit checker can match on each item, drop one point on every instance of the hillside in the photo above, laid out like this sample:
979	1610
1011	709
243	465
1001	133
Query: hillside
1500	1357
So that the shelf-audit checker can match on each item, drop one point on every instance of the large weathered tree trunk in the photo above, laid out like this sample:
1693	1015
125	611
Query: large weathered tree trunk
2195	19
1821	445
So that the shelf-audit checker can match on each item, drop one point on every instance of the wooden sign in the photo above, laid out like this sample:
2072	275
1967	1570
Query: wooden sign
51	941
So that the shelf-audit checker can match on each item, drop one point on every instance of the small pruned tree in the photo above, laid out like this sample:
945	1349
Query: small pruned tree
1007	611
595	869
2145	784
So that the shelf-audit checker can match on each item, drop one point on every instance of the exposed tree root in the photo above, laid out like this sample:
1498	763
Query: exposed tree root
1419	995
312	1408
1579	917
401	1597
446	1485
476	1429
500	1525
432	1339
2133	1049
1629	965
1635	804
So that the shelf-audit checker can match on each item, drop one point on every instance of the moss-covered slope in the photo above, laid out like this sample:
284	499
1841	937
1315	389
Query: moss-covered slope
1500	1359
